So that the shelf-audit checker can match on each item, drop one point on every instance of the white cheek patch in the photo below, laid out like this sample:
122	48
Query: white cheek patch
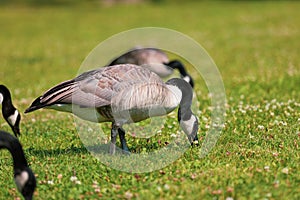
188	125
1	98
187	79
13	118
21	180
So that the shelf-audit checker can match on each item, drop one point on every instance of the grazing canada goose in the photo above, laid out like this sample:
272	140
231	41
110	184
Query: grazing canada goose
23	176
9	112
155	60
121	94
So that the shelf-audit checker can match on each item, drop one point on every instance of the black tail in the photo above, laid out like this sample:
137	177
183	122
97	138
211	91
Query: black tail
56	94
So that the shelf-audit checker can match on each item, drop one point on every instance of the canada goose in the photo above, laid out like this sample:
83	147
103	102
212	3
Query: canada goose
23	176
155	60
9	112
121	94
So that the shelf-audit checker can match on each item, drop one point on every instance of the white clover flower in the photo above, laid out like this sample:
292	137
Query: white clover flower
285	170
73	178
128	195
50	182
59	176
95	182
166	187
243	111
250	135
97	190
260	127
229	198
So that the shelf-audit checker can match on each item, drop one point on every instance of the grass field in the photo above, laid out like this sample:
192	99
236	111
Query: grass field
254	44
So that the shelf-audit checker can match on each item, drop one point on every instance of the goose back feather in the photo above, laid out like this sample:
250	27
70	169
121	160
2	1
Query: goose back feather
111	90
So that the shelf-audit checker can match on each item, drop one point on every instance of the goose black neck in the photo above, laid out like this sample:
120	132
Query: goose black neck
6	97
13	145
175	64
184	111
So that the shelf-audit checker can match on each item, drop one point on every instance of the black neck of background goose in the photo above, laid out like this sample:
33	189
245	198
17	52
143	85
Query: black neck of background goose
114	62
13	145
175	64
191	82
184	111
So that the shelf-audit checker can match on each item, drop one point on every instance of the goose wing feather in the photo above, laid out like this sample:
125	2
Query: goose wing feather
95	88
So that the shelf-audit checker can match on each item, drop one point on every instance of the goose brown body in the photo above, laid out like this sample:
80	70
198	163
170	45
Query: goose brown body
120	94
110	92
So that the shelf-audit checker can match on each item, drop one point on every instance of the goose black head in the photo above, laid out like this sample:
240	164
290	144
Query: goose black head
175	64
26	182
9	112
23	176
187	120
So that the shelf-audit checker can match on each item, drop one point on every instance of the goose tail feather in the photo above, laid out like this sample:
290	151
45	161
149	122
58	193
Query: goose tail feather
60	93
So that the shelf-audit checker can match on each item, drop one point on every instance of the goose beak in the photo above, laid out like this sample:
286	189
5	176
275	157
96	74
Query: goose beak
29	197
16	130
195	141
193	136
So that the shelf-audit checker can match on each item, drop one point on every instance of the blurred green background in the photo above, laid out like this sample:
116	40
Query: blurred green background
255	44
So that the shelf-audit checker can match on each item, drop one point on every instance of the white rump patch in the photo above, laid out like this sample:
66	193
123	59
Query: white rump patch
1	98
21	180
13	118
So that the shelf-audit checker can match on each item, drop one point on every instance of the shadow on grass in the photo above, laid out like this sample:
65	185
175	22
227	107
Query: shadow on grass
56	152
99	148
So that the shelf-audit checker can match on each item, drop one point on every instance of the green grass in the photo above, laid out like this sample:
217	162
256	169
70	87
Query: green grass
254	44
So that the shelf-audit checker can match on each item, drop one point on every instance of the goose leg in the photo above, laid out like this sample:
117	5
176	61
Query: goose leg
114	133
123	140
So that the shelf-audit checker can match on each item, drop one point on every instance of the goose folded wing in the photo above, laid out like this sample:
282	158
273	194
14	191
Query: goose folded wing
84	93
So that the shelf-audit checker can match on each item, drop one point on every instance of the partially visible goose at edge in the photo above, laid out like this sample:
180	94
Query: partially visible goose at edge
121	94
23	175
155	60
9	112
